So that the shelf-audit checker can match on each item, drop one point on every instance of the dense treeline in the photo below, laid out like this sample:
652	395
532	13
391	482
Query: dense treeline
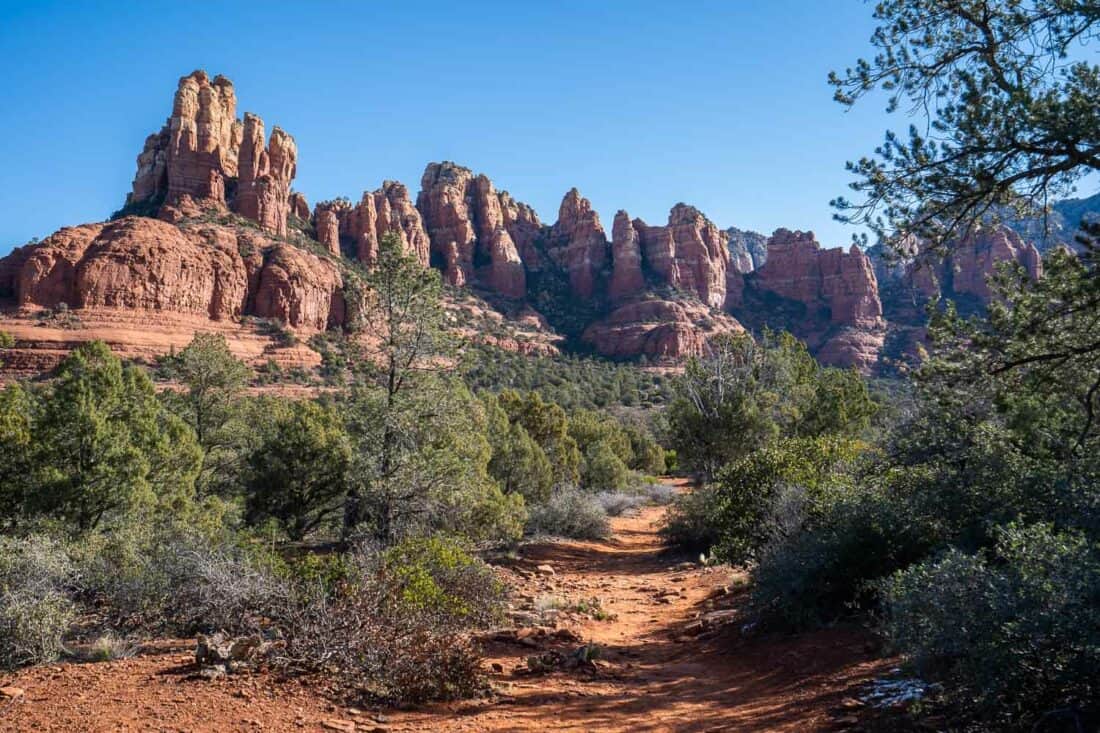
181	509
568	380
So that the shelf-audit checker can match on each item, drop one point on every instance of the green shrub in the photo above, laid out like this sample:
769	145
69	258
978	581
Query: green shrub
690	520
1010	635
7	341
826	571
570	513
602	469
435	575
35	609
746	490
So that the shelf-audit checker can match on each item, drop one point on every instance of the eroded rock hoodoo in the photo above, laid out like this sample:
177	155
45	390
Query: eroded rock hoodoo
204	157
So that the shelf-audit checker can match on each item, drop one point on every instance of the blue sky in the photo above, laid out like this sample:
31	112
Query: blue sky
723	105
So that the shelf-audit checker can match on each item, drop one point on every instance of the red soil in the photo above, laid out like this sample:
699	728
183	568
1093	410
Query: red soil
650	677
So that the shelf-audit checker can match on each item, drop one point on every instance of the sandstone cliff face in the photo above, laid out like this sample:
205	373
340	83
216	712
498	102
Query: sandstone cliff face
197	148
841	315
299	206
748	249
263	188
972	262
467	224
658	329
578	244
627	278
203	147
326	224
688	254
388	209
213	271
912	274
524	226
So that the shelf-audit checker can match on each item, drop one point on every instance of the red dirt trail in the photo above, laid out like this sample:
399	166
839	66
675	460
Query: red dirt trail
650	675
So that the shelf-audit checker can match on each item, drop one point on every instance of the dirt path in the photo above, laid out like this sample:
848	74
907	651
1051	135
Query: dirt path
655	672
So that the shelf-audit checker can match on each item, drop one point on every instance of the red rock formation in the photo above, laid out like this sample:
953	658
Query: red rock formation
911	273
388	209
626	256
578	243
524	226
215	271
505	269
843	315
299	206
299	289
689	254
197	148
972	262
326	223
10	267
263	188
658	329
203	145
466	221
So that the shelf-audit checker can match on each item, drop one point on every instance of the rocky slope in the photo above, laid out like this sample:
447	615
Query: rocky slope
216	233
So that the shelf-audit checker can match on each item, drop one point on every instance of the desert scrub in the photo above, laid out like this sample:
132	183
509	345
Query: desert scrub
569	512
35	609
1012	633
398	629
436	576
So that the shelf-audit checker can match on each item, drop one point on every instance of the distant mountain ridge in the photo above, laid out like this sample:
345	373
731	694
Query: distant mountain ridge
211	229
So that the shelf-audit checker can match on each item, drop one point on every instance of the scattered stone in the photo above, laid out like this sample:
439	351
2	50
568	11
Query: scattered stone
718	592
11	693
344	726
546	570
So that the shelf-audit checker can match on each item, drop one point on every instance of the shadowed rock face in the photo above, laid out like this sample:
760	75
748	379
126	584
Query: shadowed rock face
912	274
203	149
